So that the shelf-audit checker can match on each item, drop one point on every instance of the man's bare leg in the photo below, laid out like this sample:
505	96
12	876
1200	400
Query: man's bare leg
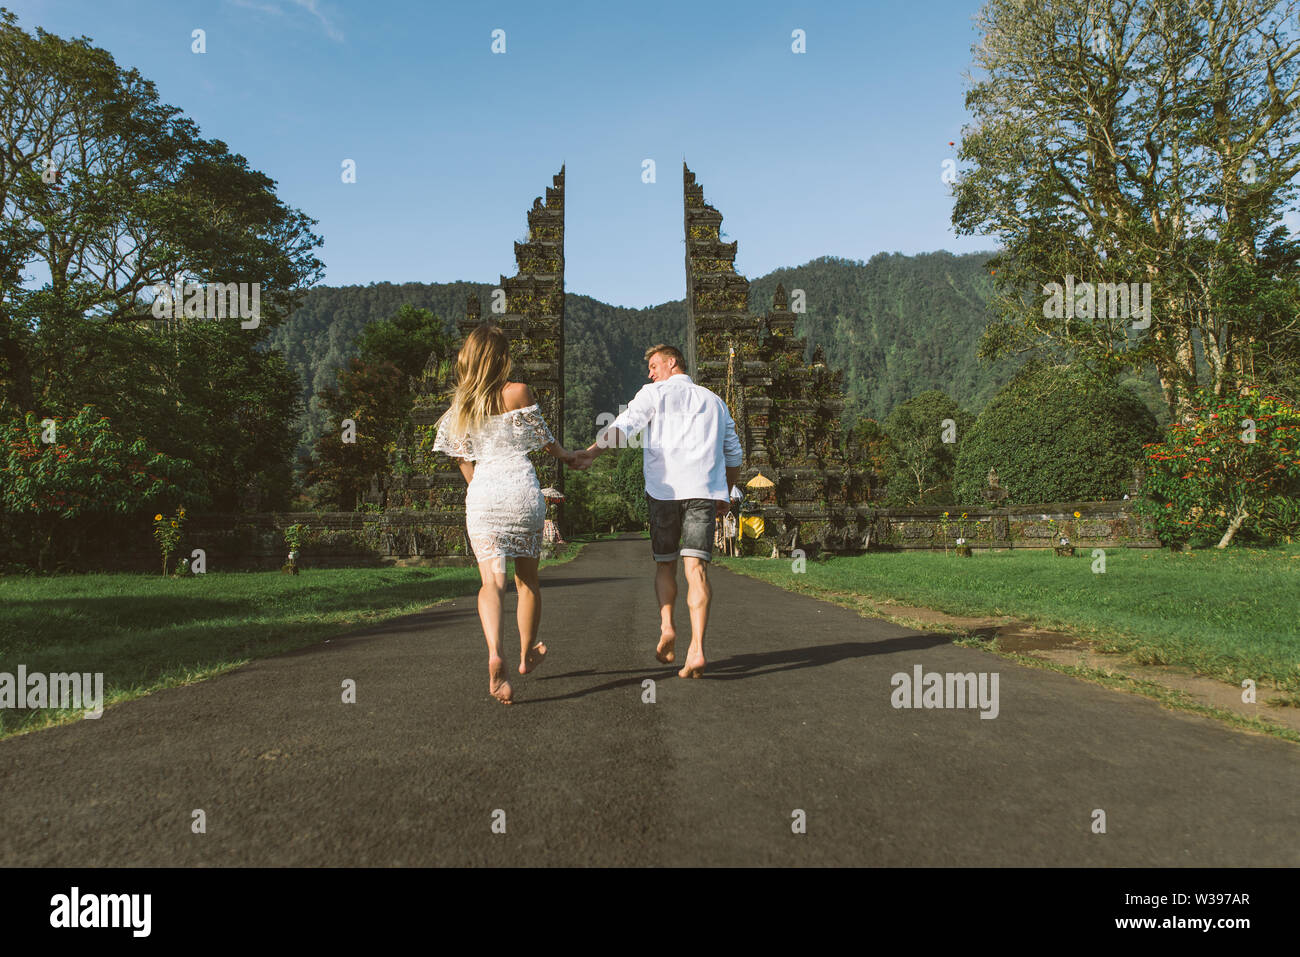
666	592
698	595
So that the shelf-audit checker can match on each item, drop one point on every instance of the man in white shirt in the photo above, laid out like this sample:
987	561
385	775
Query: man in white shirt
691	457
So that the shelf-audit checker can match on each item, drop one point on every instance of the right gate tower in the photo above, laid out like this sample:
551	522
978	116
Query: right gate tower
787	411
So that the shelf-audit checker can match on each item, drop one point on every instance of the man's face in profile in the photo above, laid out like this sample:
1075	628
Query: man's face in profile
662	366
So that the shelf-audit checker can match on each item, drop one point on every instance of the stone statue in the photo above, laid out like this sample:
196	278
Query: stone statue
994	492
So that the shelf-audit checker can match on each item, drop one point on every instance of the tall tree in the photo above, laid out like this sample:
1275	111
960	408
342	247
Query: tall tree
867	446
107	195
1131	142
366	410
375	392
924	433
408	339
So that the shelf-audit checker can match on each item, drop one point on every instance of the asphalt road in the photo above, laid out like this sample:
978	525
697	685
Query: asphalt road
793	714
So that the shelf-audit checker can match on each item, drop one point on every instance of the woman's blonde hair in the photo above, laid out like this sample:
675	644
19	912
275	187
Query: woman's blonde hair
482	371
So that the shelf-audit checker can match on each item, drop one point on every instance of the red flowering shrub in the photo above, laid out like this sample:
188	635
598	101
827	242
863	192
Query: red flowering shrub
1235	459
50	489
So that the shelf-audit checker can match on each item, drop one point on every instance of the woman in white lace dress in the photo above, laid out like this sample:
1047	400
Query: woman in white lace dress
490	428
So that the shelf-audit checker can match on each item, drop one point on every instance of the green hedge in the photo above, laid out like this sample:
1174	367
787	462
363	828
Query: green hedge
1055	434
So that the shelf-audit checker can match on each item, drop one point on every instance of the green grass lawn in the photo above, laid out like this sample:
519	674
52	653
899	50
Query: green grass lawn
146	632
1230	614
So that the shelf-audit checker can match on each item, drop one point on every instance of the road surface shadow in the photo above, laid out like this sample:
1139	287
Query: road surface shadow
548	582
737	667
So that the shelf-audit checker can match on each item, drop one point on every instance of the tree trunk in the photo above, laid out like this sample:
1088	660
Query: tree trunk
1217	358
1243	365
1237	519
1177	372
1185	360
47	547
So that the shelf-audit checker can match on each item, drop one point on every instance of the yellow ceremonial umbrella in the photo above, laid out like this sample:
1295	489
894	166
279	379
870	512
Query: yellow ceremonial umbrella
752	525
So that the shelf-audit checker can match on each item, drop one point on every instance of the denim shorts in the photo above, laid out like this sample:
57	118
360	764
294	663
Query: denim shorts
682	526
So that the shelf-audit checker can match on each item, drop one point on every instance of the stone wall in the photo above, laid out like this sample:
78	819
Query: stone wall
255	542
419	536
1099	525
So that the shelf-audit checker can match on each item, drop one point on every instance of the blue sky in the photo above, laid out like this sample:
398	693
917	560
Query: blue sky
837	151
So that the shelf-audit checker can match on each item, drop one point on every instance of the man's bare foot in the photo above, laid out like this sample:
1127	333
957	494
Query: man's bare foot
694	667
497	684
534	658
664	651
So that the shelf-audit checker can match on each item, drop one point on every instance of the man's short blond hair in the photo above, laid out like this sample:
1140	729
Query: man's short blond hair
672	351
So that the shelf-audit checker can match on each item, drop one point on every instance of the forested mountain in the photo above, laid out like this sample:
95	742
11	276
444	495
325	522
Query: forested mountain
603	344
604	348
318	338
897	326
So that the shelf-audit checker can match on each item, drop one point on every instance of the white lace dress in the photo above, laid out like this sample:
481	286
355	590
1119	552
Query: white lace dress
504	506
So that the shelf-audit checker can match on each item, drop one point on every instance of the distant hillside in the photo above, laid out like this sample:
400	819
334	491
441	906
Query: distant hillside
897	325
317	338
604	348
603	344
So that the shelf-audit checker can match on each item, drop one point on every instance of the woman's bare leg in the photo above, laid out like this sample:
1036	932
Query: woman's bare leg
493	573
531	651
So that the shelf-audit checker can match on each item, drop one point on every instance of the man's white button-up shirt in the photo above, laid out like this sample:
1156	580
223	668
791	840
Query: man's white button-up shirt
689	439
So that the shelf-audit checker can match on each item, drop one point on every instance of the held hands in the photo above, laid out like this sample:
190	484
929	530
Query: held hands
580	460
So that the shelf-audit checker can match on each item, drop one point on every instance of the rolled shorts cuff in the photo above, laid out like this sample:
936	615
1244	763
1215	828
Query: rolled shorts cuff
697	553
665	558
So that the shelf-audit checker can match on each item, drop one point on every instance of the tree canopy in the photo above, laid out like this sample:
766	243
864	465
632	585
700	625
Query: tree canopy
108	196
1151	146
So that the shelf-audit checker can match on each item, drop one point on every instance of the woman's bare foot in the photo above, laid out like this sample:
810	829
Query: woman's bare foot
694	667
497	684
664	652
533	658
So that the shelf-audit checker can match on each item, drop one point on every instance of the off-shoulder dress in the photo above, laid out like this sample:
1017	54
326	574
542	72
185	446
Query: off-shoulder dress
504	505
